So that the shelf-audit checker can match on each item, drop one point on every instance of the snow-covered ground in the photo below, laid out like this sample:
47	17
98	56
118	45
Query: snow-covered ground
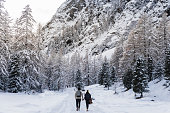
105	102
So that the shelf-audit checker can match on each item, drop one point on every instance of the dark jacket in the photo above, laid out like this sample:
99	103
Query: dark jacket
87	96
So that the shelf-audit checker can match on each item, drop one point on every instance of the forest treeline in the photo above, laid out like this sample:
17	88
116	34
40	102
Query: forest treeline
143	57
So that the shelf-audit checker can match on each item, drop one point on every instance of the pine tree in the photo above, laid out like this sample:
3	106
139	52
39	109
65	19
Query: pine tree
27	22
53	71
99	64
101	75
150	69
3	70
2	19
115	60
140	80
78	80
4	46
127	79
7	34
59	72
167	68
25	47
65	71
139	44
15	84
39	40
94	71
113	76
5	29
87	73
48	80
104	76
158	72
74	66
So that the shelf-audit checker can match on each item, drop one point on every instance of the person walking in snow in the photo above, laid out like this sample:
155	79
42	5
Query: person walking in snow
88	99
78	96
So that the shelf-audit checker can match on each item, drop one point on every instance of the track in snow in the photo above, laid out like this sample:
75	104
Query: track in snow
64	102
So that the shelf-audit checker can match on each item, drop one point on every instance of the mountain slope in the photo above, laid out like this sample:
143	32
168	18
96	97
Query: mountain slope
97	26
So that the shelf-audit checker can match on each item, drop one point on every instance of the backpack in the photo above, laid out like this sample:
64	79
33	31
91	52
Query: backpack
78	94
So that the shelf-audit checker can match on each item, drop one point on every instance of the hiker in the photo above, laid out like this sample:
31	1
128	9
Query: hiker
78	96
88	99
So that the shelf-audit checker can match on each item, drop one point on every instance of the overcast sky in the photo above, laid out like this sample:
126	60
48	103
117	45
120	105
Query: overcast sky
42	10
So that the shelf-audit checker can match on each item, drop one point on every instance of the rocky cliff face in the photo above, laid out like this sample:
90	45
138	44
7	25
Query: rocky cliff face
97	26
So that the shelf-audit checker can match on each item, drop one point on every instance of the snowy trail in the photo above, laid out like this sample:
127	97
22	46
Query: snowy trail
64	102
106	102
68	104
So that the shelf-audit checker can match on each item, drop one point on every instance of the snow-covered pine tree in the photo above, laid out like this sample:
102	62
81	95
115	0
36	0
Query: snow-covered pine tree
4	46
78	80
5	29
167	68
140	79
40	57
116	56
94	71
2	62
113	75
16	29
113	78
65	72
7	34
68	71
149	47
87	71
101	75
3	66
2	13
48	80
99	63
27	22
3	69
139	45
25	47
15	84
39	40
59	70
72	70
53	73
150	68
158	72
74	66
127	79
104	75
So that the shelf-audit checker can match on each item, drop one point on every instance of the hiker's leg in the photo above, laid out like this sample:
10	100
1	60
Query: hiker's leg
77	103
87	104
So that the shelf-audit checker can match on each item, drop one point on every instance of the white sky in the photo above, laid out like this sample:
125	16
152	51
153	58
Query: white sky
42	10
